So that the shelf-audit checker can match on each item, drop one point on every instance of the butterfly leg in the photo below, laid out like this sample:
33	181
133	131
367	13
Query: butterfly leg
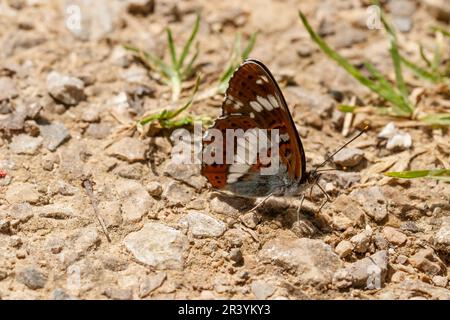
299	209
327	197
261	203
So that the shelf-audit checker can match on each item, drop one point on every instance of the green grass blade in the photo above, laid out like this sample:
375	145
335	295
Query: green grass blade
443	174
438	119
151	60
172	50
346	108
187	72
441	30
400	107
420	72
424	57
377	75
188	43
173	114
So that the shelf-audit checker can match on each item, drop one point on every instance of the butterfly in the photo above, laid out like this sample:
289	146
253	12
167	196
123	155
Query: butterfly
254	100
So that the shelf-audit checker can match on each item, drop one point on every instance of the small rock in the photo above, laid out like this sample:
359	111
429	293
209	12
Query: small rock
236	256
373	202
158	246
318	103
151	283
25	144
227	206
250	219
361	241
202	225
133	171
440	281
90	114
128	149
380	241
394	236
113	263
60	294
346	213
98	131
401	259
313	260
369	273
154	188
136	202
21	211
22	192
5	226
346	36
65	89
348	157
427	261
177	194
32	278
119	294
120	57
54	135
442	236
388	131
141	7
262	290
56	211
7	89
400	141
344	248
188	173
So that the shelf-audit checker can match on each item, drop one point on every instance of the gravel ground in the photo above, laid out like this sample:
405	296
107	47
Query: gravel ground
69	91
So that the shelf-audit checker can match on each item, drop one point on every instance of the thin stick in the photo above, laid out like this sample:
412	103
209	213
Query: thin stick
87	185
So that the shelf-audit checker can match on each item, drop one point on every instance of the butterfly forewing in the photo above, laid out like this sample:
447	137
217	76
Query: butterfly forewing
254	101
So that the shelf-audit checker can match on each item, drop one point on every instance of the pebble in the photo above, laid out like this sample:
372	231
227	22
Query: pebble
394	236
141	7
119	293
150	283
189	174
98	131
54	135
154	188
427	261
369	272
348	157
440	281
21	211
128	149
227	206
236	256
22	192
262	290
120	57
5	226
347	213
60	294
177	194
8	89
65	89
158	246
344	248
56	211
400	141
32	278
91	114
316	102
442	236
313	260
373	202
250	219
361	241
25	144
203	226
135	200
133	171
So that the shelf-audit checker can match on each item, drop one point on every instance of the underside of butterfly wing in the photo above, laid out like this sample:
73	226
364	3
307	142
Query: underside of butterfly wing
254	101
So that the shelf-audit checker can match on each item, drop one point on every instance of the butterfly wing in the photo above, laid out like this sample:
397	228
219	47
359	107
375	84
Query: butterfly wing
254	101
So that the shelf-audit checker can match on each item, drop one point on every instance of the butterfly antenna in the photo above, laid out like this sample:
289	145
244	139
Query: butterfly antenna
346	144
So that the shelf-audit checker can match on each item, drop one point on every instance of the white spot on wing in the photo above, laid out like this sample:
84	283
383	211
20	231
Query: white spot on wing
256	106
265	103
259	81
252	115
265	78
273	101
